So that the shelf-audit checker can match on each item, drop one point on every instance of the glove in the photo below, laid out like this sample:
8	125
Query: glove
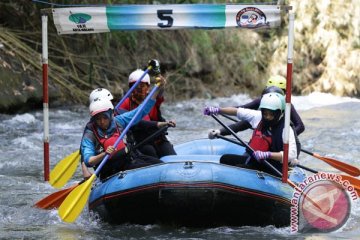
213	133
293	163
161	81
211	110
155	67
260	155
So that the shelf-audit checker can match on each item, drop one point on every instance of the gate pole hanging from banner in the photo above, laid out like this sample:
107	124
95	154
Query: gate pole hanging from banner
288	96
44	60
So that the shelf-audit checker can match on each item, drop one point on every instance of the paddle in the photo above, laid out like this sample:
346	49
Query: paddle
66	168
133	86
75	202
55	199
353	181
347	168
147	139
251	150
293	185
228	117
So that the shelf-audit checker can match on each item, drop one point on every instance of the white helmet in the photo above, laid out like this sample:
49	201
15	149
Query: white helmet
272	101
100	105
100	93
135	75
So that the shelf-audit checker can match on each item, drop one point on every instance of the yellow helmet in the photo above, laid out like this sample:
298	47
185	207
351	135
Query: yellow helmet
277	81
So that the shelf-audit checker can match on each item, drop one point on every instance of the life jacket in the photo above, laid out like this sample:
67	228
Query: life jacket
261	139
154	114
106	141
268	140
276	142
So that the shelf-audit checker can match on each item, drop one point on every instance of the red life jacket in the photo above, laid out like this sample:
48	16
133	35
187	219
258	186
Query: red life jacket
259	141
154	112
107	141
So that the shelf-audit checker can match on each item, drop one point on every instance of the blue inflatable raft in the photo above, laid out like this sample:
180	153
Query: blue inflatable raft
193	189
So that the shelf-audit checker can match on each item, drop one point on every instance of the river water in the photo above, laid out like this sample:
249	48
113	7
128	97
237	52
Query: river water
332	129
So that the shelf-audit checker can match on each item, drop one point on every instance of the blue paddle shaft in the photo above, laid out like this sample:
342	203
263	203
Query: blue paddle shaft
132	88
138	112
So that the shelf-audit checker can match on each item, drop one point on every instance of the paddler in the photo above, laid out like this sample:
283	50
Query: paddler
104	129
267	138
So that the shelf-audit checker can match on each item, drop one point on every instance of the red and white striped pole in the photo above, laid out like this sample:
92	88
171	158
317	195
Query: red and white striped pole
44	59
288	96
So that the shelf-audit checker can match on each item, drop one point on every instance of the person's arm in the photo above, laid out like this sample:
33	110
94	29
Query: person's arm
236	127
87	148
88	151
278	156
143	125
159	101
160	97
85	171
253	117
254	104
296	120
94	160
119	111
249	117
228	111
241	113
155	113
292	149
125	118
292	145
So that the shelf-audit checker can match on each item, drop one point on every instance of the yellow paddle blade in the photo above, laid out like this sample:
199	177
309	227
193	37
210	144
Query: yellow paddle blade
73	205
64	170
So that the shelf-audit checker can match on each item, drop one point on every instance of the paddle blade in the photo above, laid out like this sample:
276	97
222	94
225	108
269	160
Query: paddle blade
353	181
55	199
349	169
73	205
64	170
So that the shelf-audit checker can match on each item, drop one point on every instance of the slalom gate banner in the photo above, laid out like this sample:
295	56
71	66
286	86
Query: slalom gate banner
83	20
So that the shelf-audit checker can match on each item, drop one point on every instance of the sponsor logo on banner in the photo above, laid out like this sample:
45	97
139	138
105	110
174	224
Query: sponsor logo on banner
251	17
80	19
321	203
